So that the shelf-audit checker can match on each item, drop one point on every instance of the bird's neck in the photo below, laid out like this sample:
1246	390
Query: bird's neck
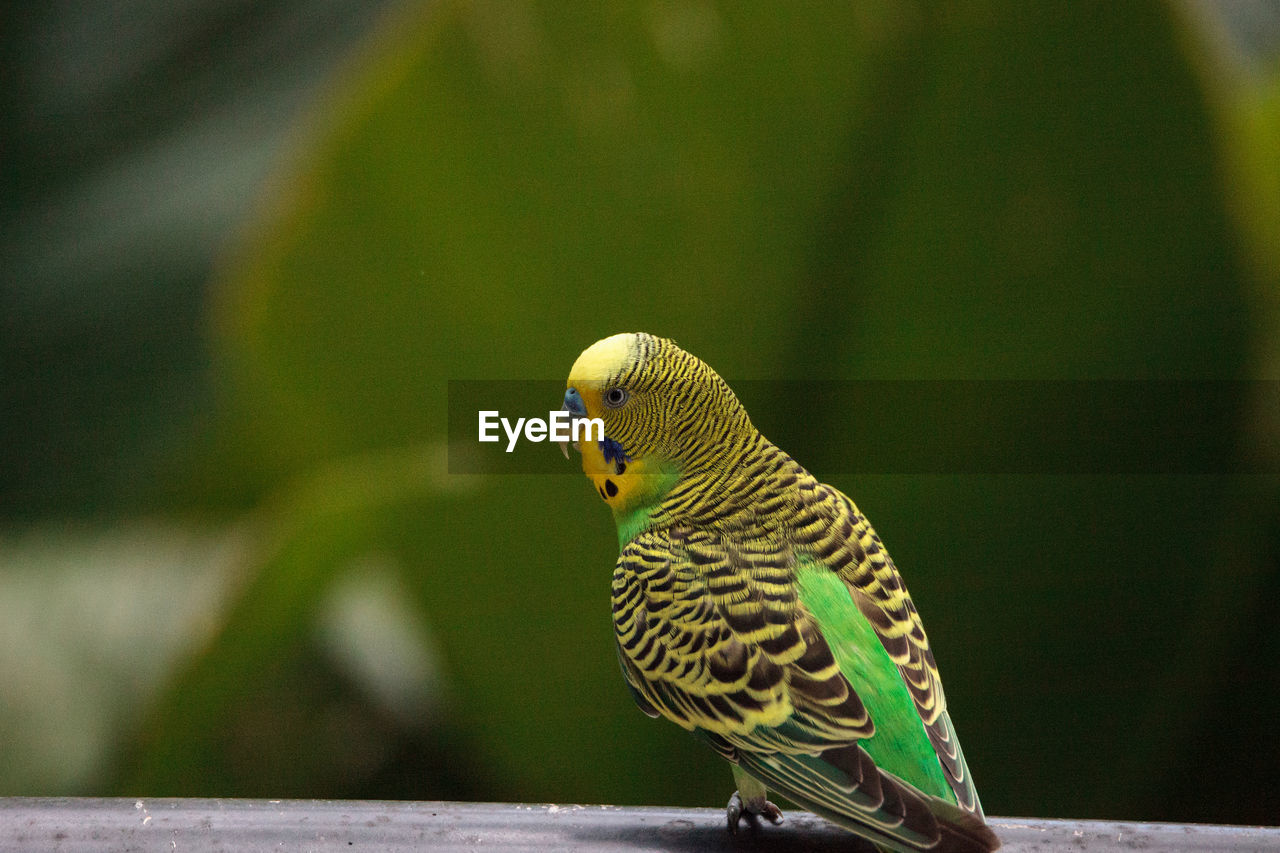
746	482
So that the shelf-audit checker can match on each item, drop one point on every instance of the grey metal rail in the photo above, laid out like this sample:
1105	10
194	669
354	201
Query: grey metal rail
111	825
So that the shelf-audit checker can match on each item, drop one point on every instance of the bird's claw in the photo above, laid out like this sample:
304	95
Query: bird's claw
733	813
737	808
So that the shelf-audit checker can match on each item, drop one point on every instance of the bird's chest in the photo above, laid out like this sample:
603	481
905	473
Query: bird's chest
657	604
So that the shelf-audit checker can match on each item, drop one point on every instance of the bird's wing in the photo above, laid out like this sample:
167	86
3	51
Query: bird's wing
713	638
712	635
851	547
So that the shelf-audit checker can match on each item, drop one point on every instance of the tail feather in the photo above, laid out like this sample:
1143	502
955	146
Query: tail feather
870	802
965	826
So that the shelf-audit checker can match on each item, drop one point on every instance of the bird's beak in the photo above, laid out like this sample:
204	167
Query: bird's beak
564	445
577	410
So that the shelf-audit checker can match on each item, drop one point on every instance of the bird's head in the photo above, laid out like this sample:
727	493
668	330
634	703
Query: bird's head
666	415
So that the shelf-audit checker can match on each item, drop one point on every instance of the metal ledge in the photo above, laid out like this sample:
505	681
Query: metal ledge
110	825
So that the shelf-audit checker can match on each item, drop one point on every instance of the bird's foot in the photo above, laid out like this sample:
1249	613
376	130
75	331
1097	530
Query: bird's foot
738	807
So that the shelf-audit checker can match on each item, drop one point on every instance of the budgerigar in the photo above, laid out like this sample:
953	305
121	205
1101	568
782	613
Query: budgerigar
757	608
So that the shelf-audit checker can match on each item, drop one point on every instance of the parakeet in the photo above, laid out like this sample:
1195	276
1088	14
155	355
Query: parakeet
757	608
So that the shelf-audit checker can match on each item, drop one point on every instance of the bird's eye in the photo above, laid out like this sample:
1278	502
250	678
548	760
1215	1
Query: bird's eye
615	397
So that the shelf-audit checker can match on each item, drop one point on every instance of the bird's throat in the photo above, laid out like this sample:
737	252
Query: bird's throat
633	488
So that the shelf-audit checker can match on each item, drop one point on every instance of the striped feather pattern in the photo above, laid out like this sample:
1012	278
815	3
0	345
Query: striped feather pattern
710	630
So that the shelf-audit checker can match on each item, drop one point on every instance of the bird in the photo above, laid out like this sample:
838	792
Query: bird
757	608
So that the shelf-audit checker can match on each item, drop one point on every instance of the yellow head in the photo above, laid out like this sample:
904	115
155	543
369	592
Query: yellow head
666	415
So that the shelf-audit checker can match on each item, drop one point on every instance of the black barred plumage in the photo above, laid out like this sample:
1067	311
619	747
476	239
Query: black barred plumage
716	524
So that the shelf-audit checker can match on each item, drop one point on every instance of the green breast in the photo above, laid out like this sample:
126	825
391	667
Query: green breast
900	744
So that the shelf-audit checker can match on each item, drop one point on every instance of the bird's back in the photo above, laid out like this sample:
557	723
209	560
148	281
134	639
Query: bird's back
780	631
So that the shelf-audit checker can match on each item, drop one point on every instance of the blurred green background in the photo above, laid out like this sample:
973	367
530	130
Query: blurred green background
246	246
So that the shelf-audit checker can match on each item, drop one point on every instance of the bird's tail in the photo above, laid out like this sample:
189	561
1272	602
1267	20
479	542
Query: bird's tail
961	830
844	786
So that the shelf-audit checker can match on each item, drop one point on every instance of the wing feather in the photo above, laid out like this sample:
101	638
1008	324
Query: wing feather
854	551
716	647
711	635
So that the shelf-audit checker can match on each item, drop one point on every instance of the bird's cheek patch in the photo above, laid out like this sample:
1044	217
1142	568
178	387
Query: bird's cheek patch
614	452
